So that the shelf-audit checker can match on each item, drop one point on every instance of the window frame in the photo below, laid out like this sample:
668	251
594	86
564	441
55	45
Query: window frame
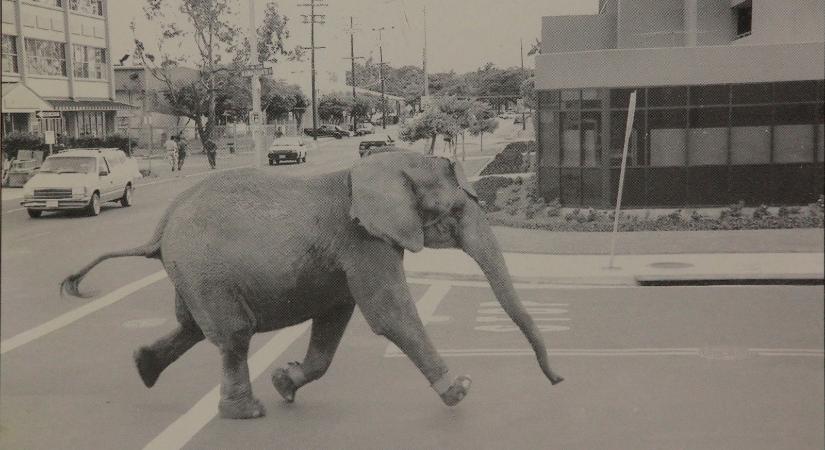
14	55
32	56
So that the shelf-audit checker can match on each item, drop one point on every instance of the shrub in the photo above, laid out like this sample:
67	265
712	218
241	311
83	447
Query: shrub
486	189
21	140
120	141
761	212
733	211
511	160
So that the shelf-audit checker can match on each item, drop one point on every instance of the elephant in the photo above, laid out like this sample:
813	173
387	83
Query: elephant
249	251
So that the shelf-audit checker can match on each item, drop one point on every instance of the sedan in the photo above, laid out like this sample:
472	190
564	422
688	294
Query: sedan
287	149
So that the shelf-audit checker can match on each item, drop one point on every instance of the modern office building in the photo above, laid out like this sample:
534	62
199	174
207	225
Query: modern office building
729	103
56	57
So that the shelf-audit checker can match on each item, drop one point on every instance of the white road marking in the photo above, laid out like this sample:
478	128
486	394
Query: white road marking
523	286
426	307
616	352
182	430
79	313
14	210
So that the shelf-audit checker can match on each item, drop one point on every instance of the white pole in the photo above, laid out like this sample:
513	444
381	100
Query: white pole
631	111
256	85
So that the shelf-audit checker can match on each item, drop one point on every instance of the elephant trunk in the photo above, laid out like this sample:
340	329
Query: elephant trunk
479	242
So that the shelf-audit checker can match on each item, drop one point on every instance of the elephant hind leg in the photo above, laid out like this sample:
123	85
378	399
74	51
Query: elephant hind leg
152	360
237	401
327	331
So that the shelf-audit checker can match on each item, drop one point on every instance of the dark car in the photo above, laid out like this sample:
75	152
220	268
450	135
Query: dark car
366	145
326	130
381	149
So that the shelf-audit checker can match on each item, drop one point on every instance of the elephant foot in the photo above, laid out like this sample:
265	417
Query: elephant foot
148	366
249	408
285	383
455	392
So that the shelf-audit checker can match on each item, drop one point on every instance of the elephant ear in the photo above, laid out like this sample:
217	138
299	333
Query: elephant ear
458	171
384	202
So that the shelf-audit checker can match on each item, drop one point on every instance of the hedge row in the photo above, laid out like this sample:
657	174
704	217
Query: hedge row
32	141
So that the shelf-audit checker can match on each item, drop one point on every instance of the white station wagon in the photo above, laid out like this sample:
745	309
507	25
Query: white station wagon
81	179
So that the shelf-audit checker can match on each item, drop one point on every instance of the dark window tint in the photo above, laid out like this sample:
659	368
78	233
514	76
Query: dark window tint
718	94
549	99
795	114
666	118
820	90
591	98
570	99
620	98
752	93
744	14
795	91
708	117
750	116
667	96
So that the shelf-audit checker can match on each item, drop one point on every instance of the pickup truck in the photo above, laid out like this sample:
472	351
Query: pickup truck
366	145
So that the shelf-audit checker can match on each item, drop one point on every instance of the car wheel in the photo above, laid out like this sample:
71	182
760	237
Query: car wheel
34	213
271	162
94	205
126	200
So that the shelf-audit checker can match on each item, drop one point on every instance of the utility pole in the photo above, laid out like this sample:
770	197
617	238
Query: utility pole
381	75
523	112
352	59
310	19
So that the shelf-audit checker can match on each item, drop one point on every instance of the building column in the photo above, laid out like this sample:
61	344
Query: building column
22	59
691	20
109	58
69	49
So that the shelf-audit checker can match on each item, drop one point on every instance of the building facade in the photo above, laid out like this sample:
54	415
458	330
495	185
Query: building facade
729	103
57	57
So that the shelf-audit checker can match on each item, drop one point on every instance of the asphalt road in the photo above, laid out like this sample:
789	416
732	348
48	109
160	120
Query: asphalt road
658	368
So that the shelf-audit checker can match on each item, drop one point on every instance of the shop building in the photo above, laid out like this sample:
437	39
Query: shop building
729	103
56	56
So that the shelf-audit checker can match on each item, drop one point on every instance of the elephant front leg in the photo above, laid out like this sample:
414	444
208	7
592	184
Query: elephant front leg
327	331
380	289
237	401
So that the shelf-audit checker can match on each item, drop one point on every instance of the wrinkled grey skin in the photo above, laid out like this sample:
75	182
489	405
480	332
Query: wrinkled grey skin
252	252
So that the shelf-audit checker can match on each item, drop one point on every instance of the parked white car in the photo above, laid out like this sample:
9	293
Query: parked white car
81	179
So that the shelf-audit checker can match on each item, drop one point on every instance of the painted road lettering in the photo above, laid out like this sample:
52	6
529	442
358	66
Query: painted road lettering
491	312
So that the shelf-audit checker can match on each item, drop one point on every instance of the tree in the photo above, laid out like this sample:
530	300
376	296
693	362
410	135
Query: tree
331	107
483	121
428	125
362	107
219	57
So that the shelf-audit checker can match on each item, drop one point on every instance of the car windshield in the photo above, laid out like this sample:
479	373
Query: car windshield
286	143
69	164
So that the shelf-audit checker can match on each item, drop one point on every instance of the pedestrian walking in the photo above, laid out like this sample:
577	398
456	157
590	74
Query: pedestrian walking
211	150
182	148
171	152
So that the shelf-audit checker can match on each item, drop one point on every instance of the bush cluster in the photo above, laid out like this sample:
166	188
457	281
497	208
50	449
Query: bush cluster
486	189
20	140
511	159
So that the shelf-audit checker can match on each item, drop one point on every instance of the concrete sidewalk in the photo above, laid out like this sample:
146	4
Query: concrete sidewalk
593	270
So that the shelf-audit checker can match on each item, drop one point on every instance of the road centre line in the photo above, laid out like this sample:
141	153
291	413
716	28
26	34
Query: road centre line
426	307
79	313
182	430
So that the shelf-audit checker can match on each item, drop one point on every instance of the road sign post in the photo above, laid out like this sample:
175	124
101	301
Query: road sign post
631	111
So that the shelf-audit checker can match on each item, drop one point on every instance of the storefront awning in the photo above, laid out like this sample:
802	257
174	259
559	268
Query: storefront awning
89	105
18	98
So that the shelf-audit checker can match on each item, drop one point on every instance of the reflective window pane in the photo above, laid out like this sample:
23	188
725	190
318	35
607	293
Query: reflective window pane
752	93
620	98
717	94
636	142
794	133
708	136
750	135
570	99
795	91
549	137
667	96
570	139
591	98
668	137
591	138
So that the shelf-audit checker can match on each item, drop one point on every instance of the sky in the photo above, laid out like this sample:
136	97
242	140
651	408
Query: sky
462	35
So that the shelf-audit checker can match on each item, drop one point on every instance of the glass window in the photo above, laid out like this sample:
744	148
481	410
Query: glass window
620	98
752	93
592	138
795	91
91	7
549	99
668	137
591	98
89	62
744	14
570	99
667	96
716	94
55	3
820	132
10	54
635	144
570	139
549	135
708	136
750	134
794	133
46	57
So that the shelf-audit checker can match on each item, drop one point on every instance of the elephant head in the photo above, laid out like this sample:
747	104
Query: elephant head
414	201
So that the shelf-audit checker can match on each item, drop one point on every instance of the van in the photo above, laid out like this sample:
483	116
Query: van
81	179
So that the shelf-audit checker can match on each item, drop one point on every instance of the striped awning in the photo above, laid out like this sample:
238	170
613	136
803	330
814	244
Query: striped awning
89	105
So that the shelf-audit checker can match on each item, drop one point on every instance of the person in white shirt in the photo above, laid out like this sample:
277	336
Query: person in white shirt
172	152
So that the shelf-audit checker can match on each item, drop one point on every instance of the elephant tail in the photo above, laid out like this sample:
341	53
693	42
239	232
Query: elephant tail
70	285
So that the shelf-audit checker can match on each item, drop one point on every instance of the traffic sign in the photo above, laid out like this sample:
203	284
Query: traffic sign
259	70
47	114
